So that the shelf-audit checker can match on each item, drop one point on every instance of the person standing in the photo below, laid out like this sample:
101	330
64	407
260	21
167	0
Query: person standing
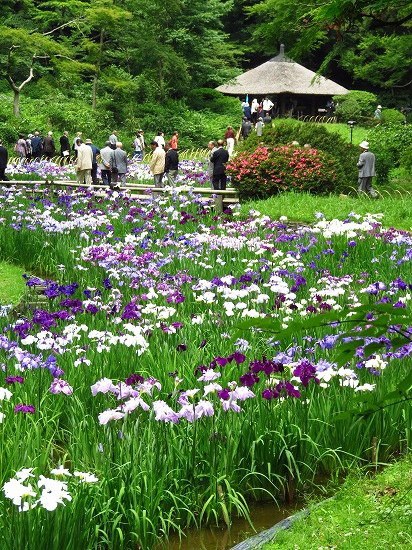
105	156
246	128
113	139
49	149
36	146
157	164
219	158
160	140
29	150
137	148
267	120
65	146
266	106
378	112
366	166
84	162
4	157
171	164
230	140
95	152
259	127
174	140
118	164
20	147
212	148
75	145
254	110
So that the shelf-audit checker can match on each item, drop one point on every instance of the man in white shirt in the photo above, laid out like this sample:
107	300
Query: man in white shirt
157	164
267	106
160	140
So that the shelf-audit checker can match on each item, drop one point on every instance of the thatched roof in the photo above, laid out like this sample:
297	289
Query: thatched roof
281	75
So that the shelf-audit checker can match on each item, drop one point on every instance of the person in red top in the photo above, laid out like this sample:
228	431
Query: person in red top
230	140
174	140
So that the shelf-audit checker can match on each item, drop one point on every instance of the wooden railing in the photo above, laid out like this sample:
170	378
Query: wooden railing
222	198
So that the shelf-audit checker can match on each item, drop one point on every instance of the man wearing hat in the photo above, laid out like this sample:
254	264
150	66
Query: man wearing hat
366	166
378	112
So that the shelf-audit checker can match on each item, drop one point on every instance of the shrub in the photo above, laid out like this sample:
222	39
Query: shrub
389	144
285	131
406	158
268	171
392	116
356	105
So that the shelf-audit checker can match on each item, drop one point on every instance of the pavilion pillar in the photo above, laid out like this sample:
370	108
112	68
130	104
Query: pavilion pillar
313	105
282	104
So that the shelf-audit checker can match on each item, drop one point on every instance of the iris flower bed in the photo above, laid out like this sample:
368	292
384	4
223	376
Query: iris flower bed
190	172
130	408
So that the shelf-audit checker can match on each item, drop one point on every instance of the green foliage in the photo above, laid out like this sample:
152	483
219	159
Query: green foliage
267	172
406	158
389	143
371	512
369	38
285	131
356	105
392	116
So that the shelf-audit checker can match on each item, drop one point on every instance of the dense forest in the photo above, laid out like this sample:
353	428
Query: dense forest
154	63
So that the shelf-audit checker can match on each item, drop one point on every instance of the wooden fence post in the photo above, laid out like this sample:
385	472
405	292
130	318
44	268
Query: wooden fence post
219	203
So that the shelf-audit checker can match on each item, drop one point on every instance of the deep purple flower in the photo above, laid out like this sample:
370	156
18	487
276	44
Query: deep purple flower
134	379
224	394
306	372
14	379
91	308
25	409
249	379
181	347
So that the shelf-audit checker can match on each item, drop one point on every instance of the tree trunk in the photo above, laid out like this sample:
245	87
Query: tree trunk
98	65
16	103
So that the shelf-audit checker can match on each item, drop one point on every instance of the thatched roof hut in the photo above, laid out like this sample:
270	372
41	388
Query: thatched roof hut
281	75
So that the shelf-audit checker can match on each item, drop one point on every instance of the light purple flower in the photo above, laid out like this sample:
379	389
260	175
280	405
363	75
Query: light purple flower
209	375
104	385
60	386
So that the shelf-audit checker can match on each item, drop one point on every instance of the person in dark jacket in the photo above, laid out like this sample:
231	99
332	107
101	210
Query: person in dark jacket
36	146
96	152
219	158
49	149
4	157
171	164
246	128
65	146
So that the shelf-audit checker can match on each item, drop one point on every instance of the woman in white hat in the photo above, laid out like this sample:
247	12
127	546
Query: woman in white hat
378	112
366	166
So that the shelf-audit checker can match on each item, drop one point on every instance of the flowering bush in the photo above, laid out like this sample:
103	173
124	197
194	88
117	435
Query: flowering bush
283	132
269	171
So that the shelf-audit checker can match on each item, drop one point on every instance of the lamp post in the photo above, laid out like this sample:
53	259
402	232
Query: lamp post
351	124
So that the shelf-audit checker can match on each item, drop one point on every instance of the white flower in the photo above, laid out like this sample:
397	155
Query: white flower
5	394
86	477
108	415
209	375
24	474
2	415
211	388
60	471
15	491
103	385
366	387
376	364
242	393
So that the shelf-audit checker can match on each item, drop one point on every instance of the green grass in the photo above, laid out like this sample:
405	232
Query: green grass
301	207
12	286
372	514
359	132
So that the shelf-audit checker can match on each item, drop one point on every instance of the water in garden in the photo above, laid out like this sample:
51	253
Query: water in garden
263	515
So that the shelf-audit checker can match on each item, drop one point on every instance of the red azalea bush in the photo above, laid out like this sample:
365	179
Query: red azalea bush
266	171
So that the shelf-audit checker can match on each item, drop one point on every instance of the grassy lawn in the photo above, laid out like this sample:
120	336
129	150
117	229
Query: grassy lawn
12	286
301	207
367	513
359	132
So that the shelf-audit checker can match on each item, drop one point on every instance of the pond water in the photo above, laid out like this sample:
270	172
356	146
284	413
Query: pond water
263	515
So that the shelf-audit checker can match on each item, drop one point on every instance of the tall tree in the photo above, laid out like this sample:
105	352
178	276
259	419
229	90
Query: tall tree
364	35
